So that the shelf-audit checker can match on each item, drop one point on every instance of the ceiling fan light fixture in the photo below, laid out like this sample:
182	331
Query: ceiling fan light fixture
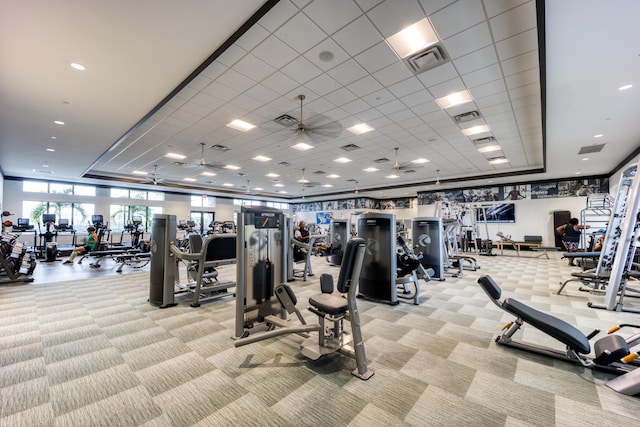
359	129
240	125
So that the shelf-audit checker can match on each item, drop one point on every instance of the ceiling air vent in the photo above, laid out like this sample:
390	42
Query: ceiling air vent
284	164
466	117
352	180
350	147
219	147
319	172
381	160
588	149
486	140
427	59
286	120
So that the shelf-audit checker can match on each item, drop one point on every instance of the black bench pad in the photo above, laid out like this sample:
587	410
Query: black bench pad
329	303
556	328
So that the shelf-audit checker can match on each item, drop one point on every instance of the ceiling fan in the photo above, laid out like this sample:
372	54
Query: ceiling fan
204	164
154	177
403	167
317	128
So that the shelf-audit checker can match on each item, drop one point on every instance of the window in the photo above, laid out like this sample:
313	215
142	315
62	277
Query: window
35	187
82	212
84	190
203	201
138	195
119	193
155	195
61	188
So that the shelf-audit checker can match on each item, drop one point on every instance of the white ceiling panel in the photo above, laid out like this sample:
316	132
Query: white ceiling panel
300	33
331	15
457	17
357	36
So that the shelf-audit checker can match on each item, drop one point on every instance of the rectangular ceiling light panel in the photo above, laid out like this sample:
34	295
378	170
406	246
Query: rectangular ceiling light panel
413	39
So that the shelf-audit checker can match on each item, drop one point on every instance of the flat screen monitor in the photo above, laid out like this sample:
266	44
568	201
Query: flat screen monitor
503	212
47	218
23	222
63	223
97	219
137	219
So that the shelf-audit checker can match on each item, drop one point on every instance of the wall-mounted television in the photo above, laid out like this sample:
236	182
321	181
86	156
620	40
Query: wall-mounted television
502	212
97	219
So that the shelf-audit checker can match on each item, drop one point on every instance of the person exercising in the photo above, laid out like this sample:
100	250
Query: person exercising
571	236
302	234
92	242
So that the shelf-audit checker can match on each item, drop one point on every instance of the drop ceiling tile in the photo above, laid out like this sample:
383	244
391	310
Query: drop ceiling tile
468	41
341	96
246	103
526	90
406	87
254	68
476	60
196	109
522	79
514	21
392	107
214	70
235	80
320	105
199	83
433	6
356	106
426	108
400	116
491	100
277	16
274	52
416	98
379	97
483	76
301	70
331	15
337	114
488	89
393	16
347	72
300	33
327	45
208	101
368	4
232	55
438	75
457	17
322	85
364	86
517	45
357	36
367	116
376	57
495	7
520	63
392	74
280	83
446	88
261	93
252	37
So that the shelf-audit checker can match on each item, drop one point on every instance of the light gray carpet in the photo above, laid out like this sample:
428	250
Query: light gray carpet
95	352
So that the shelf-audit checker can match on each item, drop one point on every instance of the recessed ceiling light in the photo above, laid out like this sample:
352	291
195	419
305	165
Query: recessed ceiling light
208	174
342	160
58	122
625	87
175	156
578	172
232	167
240	125
489	148
454	99
420	161
44	165
190	179
272	175
262	158
598	135
303	181
333	175
228	184
278	185
302	146
140	173
54	137
584	159
498	160
77	66
282	192
392	176
327	185
370	169
258	188
359	129
475	130
413	38
51	149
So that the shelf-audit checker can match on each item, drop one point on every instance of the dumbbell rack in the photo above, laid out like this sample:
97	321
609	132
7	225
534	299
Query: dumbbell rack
16	264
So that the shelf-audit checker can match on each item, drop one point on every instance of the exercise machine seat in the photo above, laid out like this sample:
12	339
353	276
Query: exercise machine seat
554	327
330	304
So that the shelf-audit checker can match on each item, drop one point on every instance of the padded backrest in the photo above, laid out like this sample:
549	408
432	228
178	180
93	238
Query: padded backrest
221	246
195	243
533	239
348	263
490	287
326	283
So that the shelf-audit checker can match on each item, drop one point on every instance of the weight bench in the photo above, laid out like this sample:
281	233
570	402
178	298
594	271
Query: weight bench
582	255
544	250
612	353
100	255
